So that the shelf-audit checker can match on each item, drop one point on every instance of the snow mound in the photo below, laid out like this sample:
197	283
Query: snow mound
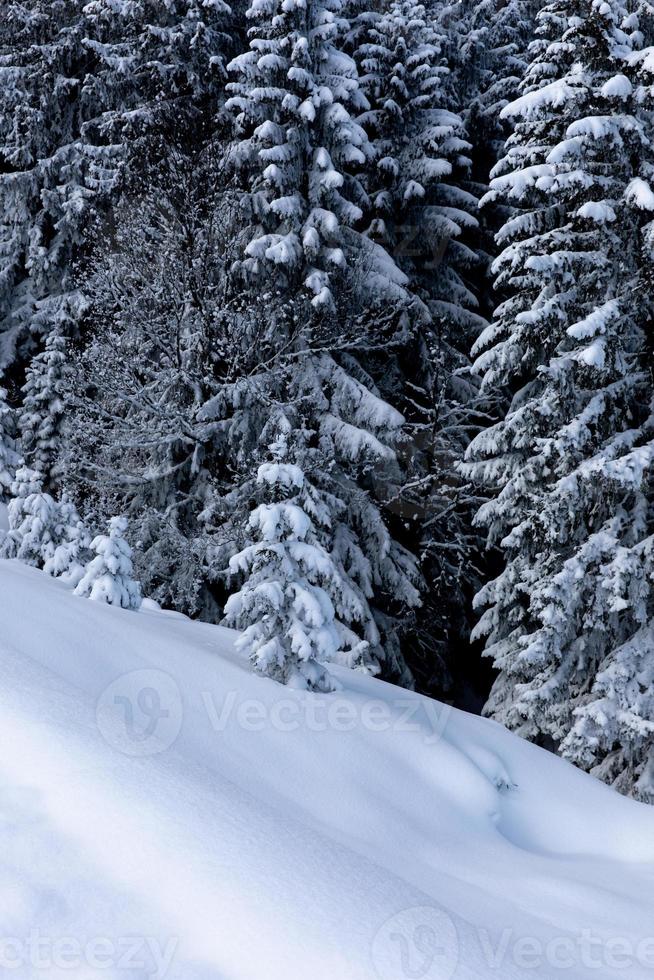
166	813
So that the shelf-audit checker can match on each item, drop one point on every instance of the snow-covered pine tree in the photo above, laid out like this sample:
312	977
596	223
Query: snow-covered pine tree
418	145
421	209
35	522
487	49
295	602
157	59
299	155
42	187
69	558
41	417
9	458
613	734
301	149
424	213
398	55
108	576
570	463
345	440
486	44
80	85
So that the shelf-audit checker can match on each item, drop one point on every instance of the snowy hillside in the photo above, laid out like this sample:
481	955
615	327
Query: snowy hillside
164	812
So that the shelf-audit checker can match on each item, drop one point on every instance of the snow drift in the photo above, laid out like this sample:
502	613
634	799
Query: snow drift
166	813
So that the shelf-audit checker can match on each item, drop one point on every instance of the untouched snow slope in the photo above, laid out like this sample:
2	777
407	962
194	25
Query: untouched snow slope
163	812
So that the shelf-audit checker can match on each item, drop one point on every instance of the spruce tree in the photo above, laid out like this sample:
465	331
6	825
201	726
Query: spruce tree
424	212
81	85
292	98
613	734
36	528
569	464
421	211
42	414
487	46
9	458
300	157
108	576
295	604
43	185
68	560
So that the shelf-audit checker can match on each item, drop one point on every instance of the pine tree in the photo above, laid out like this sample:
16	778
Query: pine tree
613	734
68	560
81	85
487	42
486	45
426	215
9	459
41	417
108	576
422	211
43	191
295	603
292	99
300	157
399	59
343	438
569	464
35	526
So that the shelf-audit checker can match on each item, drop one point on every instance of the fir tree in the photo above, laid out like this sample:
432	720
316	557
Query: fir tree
300	157
487	46
300	146
68	560
80	86
613	734
295	602
424	212
569	463
41	417
35	525
108	576
43	188
9	459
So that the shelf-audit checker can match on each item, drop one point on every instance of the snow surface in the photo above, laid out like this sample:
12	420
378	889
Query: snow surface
164	812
